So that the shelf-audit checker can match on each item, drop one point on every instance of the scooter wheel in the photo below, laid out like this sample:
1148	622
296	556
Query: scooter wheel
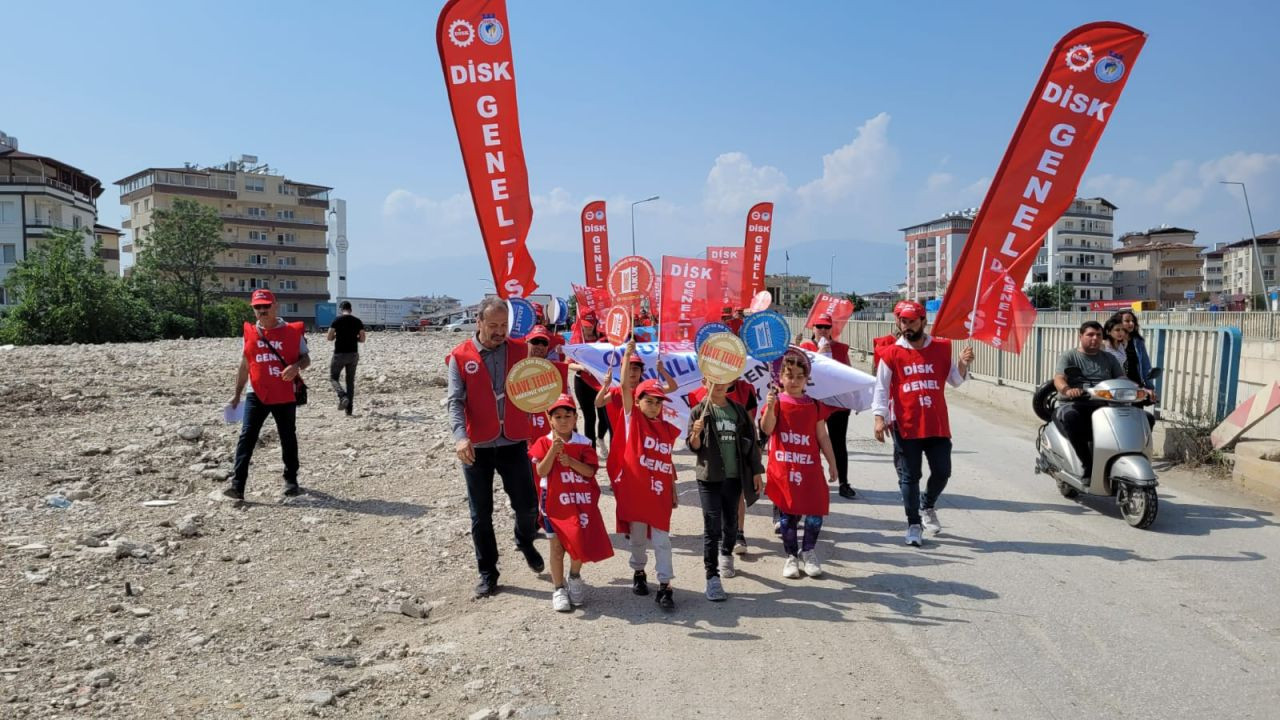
1138	506
1066	490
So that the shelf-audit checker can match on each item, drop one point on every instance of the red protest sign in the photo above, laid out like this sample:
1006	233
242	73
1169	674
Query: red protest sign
617	324
691	297
837	308
474	41
759	228
730	260
595	244
630	280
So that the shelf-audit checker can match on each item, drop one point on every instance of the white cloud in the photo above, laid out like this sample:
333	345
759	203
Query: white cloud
735	184
857	171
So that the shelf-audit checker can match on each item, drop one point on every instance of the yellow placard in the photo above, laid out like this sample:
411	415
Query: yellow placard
534	384
722	358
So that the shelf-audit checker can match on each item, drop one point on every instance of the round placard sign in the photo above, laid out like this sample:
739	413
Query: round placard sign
766	335
534	384
617	325
630	279
722	358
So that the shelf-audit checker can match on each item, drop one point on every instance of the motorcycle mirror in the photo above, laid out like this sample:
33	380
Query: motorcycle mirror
1155	373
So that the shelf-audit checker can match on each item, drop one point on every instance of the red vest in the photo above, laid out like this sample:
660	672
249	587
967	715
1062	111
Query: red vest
264	368
916	385
572	501
482	405
647	483
879	345
795	480
839	351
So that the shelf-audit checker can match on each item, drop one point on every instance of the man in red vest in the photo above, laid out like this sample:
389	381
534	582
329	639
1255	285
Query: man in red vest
491	435
274	352
838	420
909	402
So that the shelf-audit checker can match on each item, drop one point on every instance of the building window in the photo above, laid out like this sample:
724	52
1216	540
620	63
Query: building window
8	254
8	212
258	260
1142	289
146	203
288	284
1142	274
256	212
286	239
287	261
259	236
1269	275
253	184
284	214
75	222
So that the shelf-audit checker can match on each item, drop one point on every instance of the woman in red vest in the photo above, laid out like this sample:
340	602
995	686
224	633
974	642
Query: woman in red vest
491	436
274	353
595	423
838	420
909	402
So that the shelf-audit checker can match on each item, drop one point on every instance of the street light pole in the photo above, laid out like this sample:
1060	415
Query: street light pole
831	277
1262	283
633	220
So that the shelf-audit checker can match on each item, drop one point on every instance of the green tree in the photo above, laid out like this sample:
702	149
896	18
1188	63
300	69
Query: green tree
65	296
1058	296
859	303
805	301
175	267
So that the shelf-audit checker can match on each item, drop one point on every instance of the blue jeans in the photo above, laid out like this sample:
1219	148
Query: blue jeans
255	415
511	463
909	456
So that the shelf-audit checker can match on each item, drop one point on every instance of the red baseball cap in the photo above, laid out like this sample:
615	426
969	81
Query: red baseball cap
637	360
539	332
564	401
909	309
262	296
588	316
823	319
653	388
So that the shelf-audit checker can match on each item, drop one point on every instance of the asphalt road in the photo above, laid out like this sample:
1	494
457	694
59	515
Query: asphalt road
1028	605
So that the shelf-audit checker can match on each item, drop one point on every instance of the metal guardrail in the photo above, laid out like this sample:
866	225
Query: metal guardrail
1201	364
1255	325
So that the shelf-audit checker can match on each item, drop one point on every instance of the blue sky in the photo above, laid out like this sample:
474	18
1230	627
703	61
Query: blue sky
856	118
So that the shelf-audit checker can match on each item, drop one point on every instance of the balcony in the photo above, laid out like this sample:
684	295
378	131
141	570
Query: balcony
259	268
48	182
276	245
263	221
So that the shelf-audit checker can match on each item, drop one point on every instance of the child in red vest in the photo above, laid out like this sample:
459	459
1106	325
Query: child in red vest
645	488
565	464
797	429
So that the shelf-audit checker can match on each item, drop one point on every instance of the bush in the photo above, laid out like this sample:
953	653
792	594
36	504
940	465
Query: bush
227	317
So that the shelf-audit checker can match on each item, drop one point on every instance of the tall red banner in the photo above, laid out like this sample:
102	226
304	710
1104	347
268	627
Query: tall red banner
759	226
730	260
595	244
595	300
691	297
479	74
840	309
1037	179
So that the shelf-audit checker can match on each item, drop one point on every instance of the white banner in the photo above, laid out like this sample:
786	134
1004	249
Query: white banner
832	383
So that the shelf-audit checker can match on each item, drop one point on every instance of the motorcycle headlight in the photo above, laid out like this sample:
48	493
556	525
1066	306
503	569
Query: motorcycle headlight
1126	395
1104	394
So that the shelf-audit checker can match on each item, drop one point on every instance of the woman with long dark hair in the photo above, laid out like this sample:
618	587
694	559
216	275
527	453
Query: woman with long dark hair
1136	350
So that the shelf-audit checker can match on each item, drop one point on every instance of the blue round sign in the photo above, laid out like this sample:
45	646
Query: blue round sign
707	331
766	335
521	317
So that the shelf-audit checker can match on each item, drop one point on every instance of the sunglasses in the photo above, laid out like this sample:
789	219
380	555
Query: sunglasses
538	342
821	327
261	308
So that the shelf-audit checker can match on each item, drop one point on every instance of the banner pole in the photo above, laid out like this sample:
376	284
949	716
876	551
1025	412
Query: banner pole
977	293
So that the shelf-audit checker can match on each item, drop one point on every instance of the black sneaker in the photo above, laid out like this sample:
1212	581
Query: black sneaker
292	489
342	402
640	583
665	599
847	491
233	493
534	559
486	588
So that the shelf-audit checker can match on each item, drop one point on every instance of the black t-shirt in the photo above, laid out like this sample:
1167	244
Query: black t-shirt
347	329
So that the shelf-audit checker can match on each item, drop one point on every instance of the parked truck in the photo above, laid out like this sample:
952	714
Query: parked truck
376	313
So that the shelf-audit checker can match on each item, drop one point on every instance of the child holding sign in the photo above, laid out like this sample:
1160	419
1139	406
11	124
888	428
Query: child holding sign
645	488
566	464
797	429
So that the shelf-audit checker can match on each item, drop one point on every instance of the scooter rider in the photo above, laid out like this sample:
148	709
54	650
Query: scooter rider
1089	365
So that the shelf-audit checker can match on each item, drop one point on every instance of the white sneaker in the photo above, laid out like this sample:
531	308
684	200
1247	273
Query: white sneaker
715	591
740	547
726	566
931	523
577	591
811	566
603	453
560	600
791	568
915	535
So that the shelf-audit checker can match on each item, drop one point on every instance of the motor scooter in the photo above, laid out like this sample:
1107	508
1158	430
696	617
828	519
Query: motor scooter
1121	447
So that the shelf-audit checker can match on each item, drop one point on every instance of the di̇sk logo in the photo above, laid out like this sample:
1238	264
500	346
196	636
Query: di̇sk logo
1079	58
1109	68
755	215
599	214
472	367
765	216
490	30
461	33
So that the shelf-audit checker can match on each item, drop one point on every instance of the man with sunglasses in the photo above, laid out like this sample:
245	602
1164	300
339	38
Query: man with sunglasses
273	355
910	403
838	420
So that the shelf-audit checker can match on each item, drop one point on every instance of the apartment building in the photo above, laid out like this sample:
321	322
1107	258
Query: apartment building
787	289
933	249
1211	272
275	228
110	248
1161	264
39	194
1240	268
1077	251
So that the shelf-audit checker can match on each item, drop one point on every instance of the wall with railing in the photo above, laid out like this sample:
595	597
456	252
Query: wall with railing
1201	365
1253	325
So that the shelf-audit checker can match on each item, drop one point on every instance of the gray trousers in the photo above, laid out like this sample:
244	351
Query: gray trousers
347	361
